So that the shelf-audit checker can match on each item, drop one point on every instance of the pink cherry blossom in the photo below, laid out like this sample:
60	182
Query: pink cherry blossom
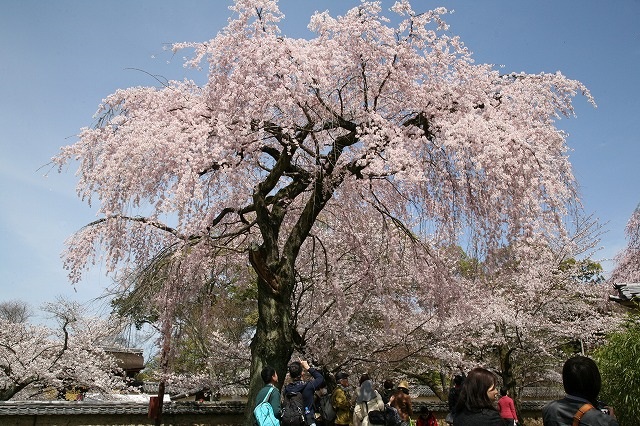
627	269
341	168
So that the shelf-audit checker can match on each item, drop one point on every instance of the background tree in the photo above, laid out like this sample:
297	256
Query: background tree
627	267
527	304
585	270
15	311
618	358
291	137
36	359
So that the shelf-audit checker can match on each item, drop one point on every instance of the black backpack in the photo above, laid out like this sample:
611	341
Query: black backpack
387	417
292	411
326	409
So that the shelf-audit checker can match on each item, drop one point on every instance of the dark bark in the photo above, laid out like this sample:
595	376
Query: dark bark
164	362
8	392
273	342
508	377
276	337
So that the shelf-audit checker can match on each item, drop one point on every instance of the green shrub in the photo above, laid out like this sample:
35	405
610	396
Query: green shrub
619	363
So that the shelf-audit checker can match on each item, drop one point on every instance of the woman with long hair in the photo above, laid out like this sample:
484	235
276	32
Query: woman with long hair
476	404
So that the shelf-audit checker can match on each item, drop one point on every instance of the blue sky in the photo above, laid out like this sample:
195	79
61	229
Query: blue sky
60	58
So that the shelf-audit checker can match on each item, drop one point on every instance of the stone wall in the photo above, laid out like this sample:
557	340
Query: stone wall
81	413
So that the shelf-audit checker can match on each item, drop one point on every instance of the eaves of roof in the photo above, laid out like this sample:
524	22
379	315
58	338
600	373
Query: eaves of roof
27	408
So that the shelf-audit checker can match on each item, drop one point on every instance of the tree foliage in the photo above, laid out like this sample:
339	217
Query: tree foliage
531	303
627	268
585	270
15	311
211	328
35	359
619	364
339	167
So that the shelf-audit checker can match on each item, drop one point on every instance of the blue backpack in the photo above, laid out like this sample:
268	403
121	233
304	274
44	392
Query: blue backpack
264	412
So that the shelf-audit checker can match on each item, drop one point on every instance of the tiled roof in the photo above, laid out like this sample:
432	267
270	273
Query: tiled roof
542	393
27	408
421	391
236	391
628	293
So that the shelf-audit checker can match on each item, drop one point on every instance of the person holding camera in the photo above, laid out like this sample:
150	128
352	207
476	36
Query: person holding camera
581	380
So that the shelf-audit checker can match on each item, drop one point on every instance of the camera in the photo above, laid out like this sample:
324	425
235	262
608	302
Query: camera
602	406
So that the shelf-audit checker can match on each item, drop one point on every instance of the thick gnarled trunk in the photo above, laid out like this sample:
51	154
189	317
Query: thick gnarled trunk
274	339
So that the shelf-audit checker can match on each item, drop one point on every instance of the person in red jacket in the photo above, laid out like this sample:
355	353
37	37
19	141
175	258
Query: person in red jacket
507	408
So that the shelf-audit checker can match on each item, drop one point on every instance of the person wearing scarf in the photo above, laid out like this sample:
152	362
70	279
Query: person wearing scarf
368	400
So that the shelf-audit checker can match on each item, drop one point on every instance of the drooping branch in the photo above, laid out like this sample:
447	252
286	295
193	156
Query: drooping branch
140	219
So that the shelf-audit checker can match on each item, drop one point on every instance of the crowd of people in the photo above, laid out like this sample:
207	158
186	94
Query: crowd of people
474	400
304	400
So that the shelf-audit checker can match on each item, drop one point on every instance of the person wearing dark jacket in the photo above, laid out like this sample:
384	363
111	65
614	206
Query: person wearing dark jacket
454	394
306	388
582	381
387	391
475	405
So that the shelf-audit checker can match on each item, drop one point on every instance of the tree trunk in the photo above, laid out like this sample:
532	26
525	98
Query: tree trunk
508	378
273	342
274	261
164	366
8	392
